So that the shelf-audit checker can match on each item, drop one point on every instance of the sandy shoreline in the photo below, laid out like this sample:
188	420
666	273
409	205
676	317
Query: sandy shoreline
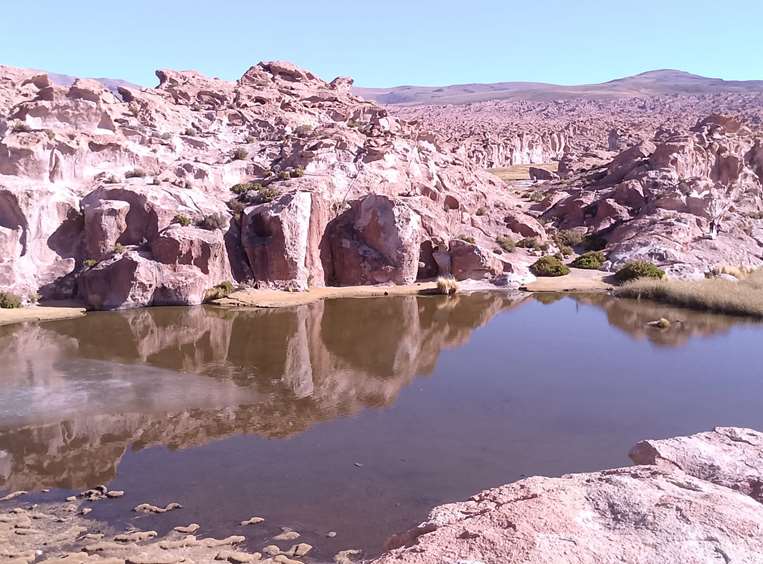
578	280
39	313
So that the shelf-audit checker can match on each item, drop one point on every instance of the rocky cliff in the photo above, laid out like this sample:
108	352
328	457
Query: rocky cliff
152	196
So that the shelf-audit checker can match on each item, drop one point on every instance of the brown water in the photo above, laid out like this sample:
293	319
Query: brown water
355	416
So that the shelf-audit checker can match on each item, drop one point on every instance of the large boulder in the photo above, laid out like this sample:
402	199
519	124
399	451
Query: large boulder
377	241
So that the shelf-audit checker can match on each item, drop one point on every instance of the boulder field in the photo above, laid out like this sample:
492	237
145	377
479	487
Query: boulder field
152	196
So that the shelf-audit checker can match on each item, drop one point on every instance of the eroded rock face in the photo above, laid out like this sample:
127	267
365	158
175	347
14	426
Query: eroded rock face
314	164
679	510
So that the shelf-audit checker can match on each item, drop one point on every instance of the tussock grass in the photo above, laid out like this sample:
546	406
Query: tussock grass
717	295
447	285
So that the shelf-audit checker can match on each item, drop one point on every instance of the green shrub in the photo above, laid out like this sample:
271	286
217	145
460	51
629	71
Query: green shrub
239	154
569	238
639	269
506	243
89	263
183	220
135	173
467	239
297	172
549	266
481	211
592	260
244	187
119	248
189	132
9	300
284	175
565	250
447	285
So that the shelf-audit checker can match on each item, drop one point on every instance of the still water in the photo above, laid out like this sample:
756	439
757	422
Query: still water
355	415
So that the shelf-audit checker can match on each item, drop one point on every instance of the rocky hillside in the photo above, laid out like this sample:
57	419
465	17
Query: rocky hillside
153	196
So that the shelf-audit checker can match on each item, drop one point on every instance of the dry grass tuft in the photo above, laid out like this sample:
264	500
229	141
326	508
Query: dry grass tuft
717	295
447	285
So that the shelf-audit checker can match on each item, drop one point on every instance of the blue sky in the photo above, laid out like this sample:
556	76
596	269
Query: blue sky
388	43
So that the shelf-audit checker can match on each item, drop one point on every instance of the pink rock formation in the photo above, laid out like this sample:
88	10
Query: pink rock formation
335	190
685	509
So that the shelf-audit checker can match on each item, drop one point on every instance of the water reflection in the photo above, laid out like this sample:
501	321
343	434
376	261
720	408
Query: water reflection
78	393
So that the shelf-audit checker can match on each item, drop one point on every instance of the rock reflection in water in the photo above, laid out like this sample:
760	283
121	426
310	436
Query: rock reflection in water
82	391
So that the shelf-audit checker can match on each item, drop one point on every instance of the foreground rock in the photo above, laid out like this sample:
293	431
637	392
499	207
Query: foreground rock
638	514
153	196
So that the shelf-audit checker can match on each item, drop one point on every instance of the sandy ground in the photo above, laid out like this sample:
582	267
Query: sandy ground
521	172
578	280
39	313
278	298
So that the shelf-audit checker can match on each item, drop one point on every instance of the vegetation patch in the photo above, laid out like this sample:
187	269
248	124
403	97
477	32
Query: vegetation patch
447	285
9	300
592	260
594	242
716	295
222	290
639	269
182	219
549	266
135	173
467	239
569	238
89	263
239	154
506	243
213	222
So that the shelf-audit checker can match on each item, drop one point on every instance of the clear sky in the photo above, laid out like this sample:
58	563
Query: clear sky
389	42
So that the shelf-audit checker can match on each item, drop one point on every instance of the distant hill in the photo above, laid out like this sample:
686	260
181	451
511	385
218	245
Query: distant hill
658	82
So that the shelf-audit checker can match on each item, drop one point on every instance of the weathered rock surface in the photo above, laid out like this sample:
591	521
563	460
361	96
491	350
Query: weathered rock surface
655	513
727	456
330	189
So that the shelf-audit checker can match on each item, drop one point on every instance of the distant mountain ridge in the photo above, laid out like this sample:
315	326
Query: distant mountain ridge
651	83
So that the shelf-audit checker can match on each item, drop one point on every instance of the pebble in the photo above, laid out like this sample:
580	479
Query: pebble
236	557
253	521
212	543
300	549
115	493
189	530
331	534
71	498
85	510
148	508
137	536
359	465
157	559
287	535
271	550
345	556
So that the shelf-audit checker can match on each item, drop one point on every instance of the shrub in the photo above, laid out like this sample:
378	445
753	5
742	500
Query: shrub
549	266
34	298
244	187
222	290
592	260
284	175
110	179
467	239
135	173
297	172
189	132
528	243
303	130
239	154
183	220
9	300
565	250
20	127
213	221
481	211
119	248
569	238
639	269
506	243
89	263
447	285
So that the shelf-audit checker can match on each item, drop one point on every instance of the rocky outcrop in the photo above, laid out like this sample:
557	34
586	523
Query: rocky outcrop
686	201
303	183
683	509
